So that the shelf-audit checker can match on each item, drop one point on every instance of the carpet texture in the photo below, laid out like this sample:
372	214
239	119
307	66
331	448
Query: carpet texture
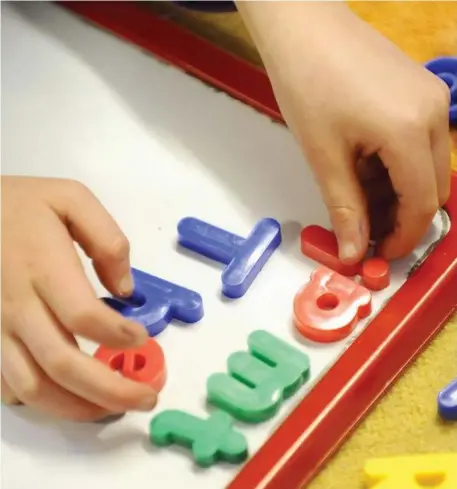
405	420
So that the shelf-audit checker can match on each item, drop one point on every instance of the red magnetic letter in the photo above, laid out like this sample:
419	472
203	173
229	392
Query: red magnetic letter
321	245
375	273
329	306
144	364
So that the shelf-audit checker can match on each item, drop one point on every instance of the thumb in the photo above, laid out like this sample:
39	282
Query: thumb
345	200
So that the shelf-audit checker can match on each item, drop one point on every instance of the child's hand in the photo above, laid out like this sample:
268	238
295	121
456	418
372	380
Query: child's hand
347	94
46	299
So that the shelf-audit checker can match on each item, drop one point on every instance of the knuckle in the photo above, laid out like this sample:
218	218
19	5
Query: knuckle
437	100
9	398
116	250
30	391
7	314
442	93
342	215
76	188
58	365
411	124
14	316
417	118
84	319
440	107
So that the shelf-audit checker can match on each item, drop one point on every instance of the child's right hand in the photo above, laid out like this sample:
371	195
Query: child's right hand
372	123
47	299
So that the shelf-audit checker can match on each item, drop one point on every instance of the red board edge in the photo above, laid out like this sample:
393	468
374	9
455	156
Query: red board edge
298	449
301	445
169	42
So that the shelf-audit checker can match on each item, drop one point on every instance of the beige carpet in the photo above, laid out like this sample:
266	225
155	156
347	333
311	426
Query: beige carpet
405	421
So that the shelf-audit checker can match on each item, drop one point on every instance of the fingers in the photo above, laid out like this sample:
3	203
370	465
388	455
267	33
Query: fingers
72	300
8	396
380	194
80	374
36	390
411	169
343	195
441	152
100	237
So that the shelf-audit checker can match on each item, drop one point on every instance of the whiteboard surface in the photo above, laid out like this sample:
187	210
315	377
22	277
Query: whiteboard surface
156	145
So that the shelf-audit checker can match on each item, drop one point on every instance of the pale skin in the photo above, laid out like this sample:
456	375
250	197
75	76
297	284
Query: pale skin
345	92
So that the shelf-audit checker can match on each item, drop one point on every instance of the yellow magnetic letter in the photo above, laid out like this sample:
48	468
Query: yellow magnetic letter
437	470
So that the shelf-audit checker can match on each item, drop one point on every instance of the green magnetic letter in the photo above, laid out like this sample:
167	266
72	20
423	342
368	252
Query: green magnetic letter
258	381
210	439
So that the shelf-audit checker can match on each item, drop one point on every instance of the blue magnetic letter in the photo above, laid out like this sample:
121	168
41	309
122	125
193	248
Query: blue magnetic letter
447	401
244	257
445	68
155	302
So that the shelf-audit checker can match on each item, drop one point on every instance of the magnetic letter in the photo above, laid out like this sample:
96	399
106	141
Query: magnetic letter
155	302
321	245
260	379
375	273
447	402
145	363
328	308
209	439
244	258
432	470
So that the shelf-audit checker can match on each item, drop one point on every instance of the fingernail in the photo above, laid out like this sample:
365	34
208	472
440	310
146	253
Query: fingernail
348	251
126	285
148	403
352	241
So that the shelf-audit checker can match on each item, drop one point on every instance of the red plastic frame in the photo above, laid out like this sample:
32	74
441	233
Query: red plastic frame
299	447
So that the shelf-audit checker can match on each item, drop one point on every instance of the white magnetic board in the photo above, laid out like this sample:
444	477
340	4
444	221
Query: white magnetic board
155	145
